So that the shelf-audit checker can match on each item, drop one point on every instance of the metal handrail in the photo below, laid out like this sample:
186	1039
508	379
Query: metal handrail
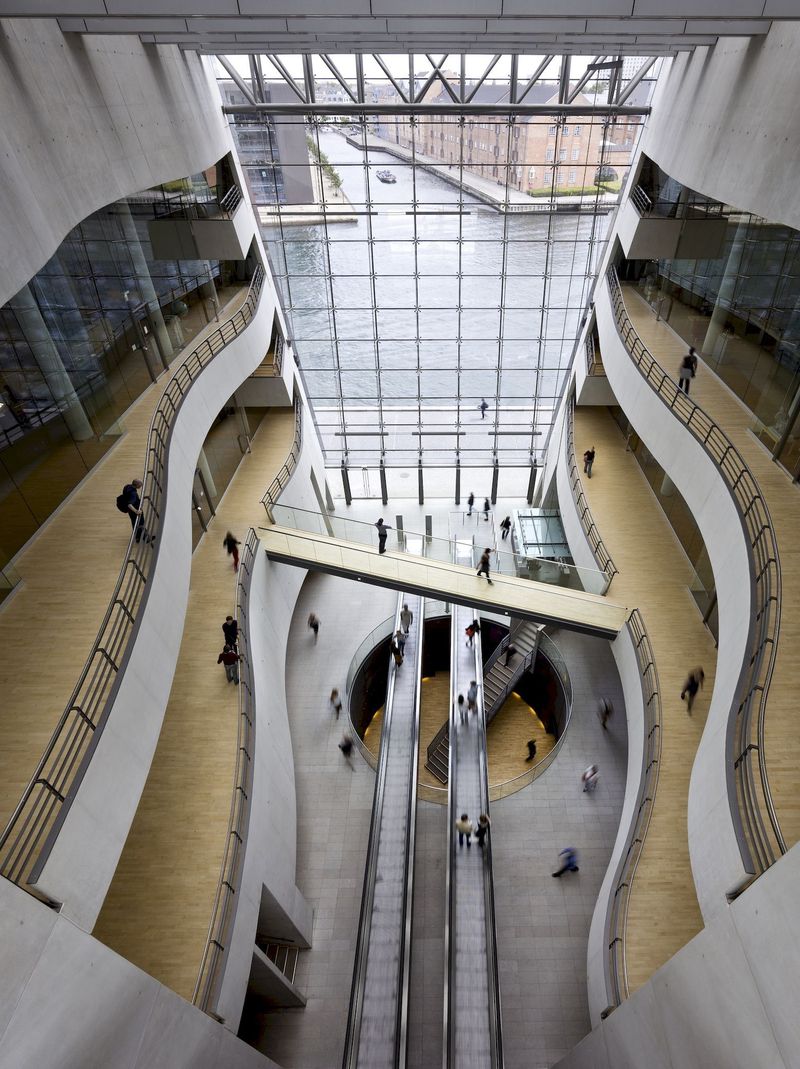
231	201
281	480
452	919
758	831
206	990
495	1014
511	786
617	915
33	827
601	554
691	208
350	1057
284	957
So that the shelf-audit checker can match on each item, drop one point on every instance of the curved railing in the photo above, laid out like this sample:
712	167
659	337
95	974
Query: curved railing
601	554
550	651
617	916
281	480
758	831
34	824
206	990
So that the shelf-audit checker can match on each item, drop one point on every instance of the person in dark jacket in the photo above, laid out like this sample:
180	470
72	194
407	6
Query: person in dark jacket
230	630
531	750
470	503
588	461
232	549
383	530
483	565
482	829
130	502
505	527
690	688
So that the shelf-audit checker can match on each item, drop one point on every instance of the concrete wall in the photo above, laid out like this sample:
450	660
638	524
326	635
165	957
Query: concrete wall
85	121
716	861
728	998
67	1001
85	854
727	122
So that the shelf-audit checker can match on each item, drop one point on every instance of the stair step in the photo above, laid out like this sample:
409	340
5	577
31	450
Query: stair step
436	773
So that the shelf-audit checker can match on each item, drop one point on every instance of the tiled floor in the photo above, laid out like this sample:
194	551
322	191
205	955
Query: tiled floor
542	923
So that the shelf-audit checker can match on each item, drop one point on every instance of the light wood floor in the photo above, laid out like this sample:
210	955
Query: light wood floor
159	905
68	573
782	741
653	575
506	737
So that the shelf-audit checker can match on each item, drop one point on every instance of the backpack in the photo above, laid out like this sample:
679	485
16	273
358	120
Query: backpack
122	502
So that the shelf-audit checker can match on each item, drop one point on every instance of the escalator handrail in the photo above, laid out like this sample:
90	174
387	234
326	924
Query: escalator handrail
495	1016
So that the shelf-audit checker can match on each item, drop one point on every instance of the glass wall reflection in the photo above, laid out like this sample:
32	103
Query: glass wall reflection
84	338
740	309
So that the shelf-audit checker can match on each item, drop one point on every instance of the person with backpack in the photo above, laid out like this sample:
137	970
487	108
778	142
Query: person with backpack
130	502
686	371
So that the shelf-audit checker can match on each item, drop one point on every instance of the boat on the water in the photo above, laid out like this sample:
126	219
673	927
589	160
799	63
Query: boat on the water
386	176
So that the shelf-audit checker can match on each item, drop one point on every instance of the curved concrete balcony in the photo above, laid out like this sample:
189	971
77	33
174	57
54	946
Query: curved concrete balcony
66	835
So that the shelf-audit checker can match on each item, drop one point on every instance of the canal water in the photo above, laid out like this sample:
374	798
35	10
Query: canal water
404	319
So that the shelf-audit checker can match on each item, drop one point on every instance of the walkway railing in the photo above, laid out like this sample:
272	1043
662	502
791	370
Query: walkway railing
617	916
550	651
206	990
601	554
758	831
30	833
281	480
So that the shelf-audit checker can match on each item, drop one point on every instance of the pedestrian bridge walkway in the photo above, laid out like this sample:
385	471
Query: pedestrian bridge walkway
572	609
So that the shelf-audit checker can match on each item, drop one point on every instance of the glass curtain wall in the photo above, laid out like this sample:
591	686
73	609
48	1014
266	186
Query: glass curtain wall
436	282
741	312
81	341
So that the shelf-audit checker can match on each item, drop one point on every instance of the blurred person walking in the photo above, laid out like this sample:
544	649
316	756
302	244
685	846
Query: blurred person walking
570	862
588	461
231	545
483	565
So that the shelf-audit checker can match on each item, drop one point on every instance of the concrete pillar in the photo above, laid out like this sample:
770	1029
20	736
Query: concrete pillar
142	271
713	346
208	478
49	362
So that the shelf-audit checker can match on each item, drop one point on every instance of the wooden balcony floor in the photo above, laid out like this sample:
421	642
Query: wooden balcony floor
654	574
68	572
159	905
782	739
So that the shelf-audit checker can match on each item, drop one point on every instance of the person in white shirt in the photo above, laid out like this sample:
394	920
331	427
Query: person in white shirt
465	828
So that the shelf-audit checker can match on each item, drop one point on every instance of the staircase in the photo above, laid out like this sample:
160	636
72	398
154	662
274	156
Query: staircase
499	678
438	759
498	682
